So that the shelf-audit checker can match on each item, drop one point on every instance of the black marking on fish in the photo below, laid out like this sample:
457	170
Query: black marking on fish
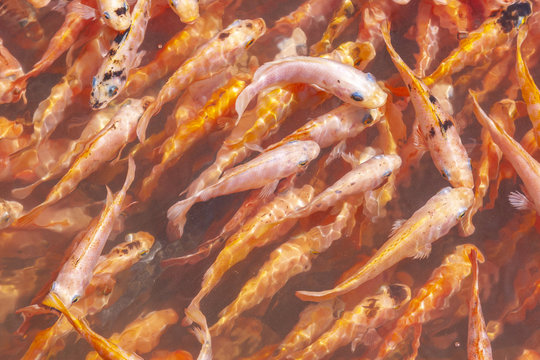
432	99
121	11
447	124
117	73
112	52
223	36
431	132
371	308
121	36
249	25
513	15
398	293
368	119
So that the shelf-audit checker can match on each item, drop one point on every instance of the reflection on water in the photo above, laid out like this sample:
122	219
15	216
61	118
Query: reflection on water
315	251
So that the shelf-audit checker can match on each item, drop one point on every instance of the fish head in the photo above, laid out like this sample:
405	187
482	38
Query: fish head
309	150
105	91
118	18
243	33
9	212
69	291
360	89
457	200
187	10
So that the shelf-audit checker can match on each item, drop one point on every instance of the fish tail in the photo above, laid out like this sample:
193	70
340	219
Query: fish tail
243	100
177	217
130	176
24	192
145	119
202	333
30	216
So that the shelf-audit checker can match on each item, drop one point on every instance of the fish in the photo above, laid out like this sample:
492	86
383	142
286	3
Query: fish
102	148
289	259
10	69
444	282
525	165
412	238
115	13
175	51
495	31
343	16
97	294
76	273
78	16
369	175
346	82
436	128
206	120
142	335
187	10
359	325
478	344
529	90
217	54
123	56
9	212
20	19
106	349
313	321
263	171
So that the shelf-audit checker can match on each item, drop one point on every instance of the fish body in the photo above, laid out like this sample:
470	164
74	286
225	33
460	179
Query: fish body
217	54
289	259
356	325
346	82
525	165
493	32
264	170
77	17
437	128
121	58
478	344
105	348
367	176
529	90
314	320
412	239
76	273
10	69
175	51
444	282
103	147
193	130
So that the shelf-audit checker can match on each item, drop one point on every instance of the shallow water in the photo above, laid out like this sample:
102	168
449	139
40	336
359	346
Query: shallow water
508	238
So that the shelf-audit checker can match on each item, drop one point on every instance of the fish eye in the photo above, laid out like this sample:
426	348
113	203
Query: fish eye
113	90
445	174
303	162
106	15
462	213
75	299
144	252
248	44
387	173
356	96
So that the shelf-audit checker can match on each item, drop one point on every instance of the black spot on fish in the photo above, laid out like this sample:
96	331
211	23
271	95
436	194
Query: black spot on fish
409	87
431	132
371	308
112	52
447	124
97	104
120	11
107	76
123	77
338	191
133	245
432	99
125	251
514	15
249	25
223	36
117	73
398	293
121	36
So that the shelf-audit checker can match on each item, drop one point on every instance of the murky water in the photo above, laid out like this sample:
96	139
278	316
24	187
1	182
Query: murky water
508	238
